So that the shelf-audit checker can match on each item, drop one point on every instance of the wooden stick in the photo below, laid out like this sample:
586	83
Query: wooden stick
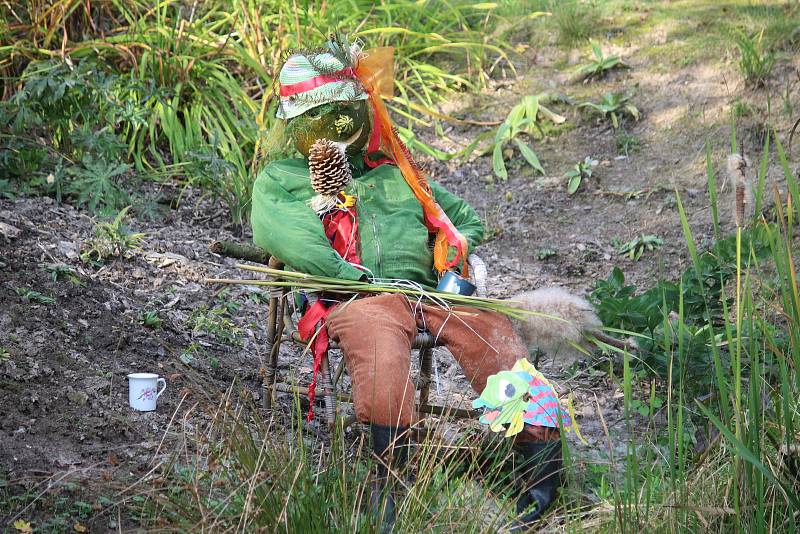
614	342
240	251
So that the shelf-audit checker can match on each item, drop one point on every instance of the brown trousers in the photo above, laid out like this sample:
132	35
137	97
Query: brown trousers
376	334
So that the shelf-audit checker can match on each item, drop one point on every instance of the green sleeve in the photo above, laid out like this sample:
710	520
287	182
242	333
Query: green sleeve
462	215
287	228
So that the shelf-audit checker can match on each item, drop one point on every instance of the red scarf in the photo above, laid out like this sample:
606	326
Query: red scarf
341	229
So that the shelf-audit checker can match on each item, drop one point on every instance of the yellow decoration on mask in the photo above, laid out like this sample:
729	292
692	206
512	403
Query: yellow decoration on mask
349	201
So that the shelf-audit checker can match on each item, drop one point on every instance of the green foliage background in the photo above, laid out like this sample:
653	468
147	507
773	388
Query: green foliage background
100	95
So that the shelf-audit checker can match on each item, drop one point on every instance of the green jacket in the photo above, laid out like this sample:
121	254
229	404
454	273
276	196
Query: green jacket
394	239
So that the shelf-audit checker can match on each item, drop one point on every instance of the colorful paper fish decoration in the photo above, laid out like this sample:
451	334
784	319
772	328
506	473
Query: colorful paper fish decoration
522	395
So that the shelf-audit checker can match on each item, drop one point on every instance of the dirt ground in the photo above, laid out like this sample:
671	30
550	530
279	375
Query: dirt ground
62	369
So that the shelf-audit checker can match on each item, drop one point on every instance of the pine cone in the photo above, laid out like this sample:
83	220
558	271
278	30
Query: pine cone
330	171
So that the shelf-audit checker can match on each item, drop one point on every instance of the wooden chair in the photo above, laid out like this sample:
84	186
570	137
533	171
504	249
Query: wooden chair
280	327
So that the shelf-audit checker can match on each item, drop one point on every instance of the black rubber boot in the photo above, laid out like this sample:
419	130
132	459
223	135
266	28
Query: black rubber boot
541	478
390	444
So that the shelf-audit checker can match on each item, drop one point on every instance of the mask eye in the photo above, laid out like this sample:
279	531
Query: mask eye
317	112
505	390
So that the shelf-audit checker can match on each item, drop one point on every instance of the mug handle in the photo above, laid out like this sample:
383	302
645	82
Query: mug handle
162	389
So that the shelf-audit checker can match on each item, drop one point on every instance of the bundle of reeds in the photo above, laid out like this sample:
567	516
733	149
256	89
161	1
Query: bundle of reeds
322	284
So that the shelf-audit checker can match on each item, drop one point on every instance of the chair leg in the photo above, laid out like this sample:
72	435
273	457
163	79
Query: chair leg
267	369
275	321
337	375
425	367
328	393
269	365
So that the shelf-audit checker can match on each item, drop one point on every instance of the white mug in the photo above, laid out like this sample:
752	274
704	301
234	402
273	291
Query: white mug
143	391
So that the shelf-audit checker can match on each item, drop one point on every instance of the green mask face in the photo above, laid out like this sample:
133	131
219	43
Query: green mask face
341	122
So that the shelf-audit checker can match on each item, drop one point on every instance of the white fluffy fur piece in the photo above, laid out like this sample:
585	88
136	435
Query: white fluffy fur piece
549	333
737	167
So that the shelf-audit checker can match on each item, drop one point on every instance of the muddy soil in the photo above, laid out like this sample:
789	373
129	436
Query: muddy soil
63	391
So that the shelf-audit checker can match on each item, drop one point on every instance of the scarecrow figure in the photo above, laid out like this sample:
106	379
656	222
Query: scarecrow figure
357	207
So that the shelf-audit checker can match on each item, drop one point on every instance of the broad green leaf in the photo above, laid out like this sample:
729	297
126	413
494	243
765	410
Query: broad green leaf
574	183
502	133
531	107
550	115
597	52
529	155
498	165
515	117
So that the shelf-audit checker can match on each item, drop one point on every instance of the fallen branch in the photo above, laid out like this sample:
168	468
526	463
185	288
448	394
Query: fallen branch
240	251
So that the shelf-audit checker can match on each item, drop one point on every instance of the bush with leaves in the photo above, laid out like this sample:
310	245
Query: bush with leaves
96	184
69	107
698	294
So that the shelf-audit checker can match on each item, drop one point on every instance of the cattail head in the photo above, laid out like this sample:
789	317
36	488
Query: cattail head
742	188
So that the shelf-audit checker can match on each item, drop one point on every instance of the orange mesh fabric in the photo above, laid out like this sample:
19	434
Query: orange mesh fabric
375	71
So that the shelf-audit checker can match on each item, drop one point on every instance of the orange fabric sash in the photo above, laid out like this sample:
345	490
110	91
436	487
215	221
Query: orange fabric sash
375	71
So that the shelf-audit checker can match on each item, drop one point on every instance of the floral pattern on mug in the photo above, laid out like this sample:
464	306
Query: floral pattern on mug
147	394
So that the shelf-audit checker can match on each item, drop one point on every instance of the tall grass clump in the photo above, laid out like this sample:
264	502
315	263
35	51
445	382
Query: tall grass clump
575	20
725	454
242	473
755	63
187	90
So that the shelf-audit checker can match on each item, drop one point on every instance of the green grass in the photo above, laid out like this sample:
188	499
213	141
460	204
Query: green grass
243	474
740	478
187	93
575	20
698	31
755	63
